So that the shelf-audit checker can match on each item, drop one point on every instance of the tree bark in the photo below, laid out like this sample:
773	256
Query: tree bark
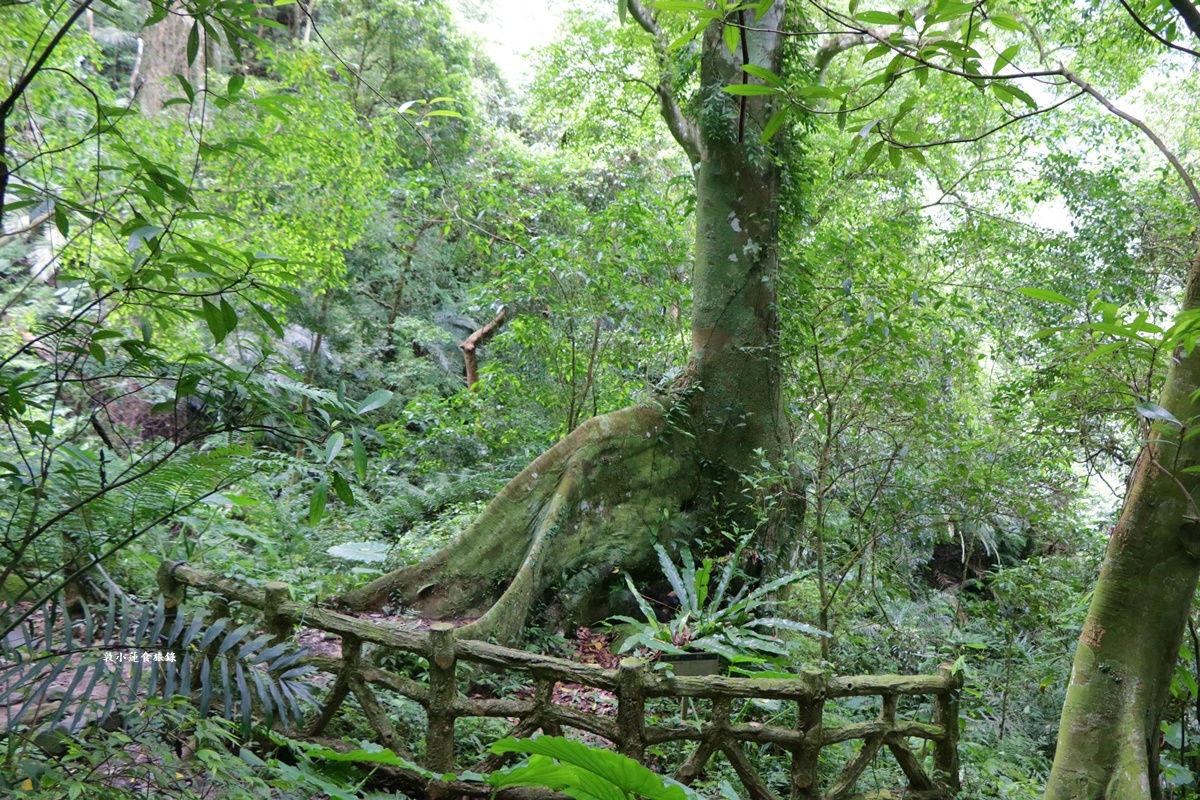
164	54
601	498
1108	738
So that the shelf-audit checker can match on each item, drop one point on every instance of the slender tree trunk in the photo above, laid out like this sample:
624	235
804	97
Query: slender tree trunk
603	496
1108	739
164	54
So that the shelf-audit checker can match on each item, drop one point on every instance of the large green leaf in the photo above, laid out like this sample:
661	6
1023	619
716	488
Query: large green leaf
620	772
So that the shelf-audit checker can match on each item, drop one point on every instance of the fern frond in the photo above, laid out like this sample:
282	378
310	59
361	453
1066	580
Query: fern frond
166	656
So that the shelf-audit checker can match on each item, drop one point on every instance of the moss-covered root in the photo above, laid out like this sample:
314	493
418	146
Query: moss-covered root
598	497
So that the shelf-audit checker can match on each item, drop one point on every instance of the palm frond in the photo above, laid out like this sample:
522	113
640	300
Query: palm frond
106	662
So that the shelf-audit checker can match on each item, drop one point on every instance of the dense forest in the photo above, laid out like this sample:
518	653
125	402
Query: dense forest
485	408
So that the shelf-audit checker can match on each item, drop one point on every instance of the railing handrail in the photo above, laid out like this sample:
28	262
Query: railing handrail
802	687
631	683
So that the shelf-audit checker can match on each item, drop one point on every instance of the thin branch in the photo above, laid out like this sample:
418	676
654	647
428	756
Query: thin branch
10	102
1143	127
985	134
1150	31
1190	15
683	128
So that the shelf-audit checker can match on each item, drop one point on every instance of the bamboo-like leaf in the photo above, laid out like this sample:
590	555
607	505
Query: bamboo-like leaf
278	698
295	672
212	633
160	619
143	623
271	652
225	684
172	672
244	695
176	629
206	685
20	681
233	637
109	624
89	627
114	690
43	685
253	645
288	659
185	675
135	680
81	672
98	672
48	624
192	632
264	697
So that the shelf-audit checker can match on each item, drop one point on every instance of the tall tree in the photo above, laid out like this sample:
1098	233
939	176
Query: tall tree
602	497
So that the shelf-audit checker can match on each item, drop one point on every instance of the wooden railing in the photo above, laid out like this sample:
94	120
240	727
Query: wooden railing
631	684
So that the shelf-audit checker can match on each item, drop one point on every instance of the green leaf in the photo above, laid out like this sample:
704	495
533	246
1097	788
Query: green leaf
377	399
750	89
316	504
774	124
374	755
1153	411
61	221
228	316
235	84
619	771
622	10
215	321
1048	295
878	18
360	456
762	73
140	235
872	153
733	36
193	43
341	487
1004	21
1006	58
1021	95
186	85
1102	351
269	319
366	552
333	446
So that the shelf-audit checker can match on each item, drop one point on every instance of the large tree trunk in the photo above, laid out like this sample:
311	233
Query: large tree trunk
1109	735
602	497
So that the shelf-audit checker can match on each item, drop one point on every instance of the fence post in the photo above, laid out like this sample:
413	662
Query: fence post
351	653
439	736
279	625
809	722
945	713
631	709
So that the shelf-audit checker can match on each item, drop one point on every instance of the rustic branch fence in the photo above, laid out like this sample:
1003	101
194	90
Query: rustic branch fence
632	684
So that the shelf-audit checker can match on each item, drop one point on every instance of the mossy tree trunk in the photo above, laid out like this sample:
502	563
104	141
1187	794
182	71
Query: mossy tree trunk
603	496
1108	738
